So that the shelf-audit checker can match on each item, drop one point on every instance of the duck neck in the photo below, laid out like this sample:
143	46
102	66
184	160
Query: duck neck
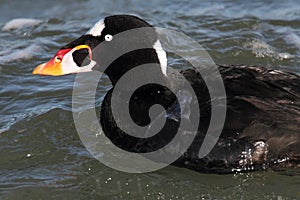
136	58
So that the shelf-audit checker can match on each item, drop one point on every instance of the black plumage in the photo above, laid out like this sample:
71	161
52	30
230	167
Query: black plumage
262	126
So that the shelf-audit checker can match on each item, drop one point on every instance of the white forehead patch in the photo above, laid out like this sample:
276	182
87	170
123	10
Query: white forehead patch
97	29
162	56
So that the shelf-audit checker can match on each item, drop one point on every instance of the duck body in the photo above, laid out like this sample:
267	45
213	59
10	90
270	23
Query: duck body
262	121
262	124
261	129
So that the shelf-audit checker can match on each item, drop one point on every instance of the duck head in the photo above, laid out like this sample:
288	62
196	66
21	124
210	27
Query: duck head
71	58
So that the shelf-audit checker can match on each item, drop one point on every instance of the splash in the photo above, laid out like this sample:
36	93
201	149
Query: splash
20	23
13	54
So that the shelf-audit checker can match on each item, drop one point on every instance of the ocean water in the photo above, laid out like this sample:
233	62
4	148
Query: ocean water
41	155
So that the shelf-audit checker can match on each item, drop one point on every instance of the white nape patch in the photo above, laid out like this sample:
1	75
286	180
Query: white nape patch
20	23
97	29
162	56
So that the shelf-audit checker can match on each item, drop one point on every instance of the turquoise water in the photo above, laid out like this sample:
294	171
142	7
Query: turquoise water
41	154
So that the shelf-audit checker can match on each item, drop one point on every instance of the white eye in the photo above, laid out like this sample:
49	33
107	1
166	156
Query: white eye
108	37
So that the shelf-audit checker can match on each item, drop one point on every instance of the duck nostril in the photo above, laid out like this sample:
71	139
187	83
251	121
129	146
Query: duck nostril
58	59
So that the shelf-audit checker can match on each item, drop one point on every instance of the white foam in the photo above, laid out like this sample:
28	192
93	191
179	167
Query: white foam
20	23
12	55
293	38
262	49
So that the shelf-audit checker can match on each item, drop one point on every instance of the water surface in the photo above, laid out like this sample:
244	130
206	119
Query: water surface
41	155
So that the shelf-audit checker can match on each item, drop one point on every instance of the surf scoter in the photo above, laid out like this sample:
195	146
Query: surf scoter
262	124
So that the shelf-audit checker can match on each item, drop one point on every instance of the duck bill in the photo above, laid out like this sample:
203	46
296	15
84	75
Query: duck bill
50	68
54	66
62	63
